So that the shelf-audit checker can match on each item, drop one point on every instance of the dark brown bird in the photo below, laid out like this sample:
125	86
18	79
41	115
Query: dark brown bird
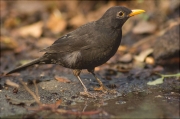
88	46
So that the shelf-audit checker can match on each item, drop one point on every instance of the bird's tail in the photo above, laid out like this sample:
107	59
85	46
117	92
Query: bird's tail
36	61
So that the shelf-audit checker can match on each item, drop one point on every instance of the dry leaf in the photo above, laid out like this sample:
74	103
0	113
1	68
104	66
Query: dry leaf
156	82
44	42
62	79
56	23
8	43
141	57
34	30
11	22
122	48
158	69
126	58
78	20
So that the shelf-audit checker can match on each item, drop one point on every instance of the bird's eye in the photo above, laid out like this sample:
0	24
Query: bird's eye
120	14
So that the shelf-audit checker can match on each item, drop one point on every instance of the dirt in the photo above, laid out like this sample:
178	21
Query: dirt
134	98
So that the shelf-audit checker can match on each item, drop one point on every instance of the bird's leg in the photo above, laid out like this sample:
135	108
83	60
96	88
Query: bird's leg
102	87
77	73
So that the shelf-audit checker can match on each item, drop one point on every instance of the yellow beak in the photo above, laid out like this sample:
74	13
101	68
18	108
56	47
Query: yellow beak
135	12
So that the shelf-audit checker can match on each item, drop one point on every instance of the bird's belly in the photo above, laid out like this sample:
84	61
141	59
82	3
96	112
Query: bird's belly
93	58
90	58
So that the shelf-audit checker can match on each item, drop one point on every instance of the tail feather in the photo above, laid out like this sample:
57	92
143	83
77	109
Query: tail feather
36	61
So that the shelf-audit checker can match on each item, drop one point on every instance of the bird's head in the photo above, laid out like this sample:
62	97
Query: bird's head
116	16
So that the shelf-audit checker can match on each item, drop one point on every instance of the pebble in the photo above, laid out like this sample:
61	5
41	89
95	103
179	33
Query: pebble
120	102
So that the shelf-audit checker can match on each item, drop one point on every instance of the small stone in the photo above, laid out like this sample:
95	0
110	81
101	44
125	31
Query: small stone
80	100
158	96
120	102
119	94
105	103
73	103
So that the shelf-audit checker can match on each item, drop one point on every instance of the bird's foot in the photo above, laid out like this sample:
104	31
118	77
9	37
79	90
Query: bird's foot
88	94
104	89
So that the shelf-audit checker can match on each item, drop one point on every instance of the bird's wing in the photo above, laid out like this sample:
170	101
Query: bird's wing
67	44
80	39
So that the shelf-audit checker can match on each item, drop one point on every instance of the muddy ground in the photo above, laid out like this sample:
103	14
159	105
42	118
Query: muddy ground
146	82
133	98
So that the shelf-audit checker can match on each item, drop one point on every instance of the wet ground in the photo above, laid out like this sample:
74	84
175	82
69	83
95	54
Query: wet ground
134	98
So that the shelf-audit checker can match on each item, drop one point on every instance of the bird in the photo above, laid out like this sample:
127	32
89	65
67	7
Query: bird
88	46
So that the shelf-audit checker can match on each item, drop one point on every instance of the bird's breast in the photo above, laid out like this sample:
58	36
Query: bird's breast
99	55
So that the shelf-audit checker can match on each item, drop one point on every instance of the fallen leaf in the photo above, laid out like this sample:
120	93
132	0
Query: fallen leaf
34	30
158	96
62	79
78	20
122	48
156	82
126	58
158	69
11	22
141	57
56	22
8	43
138	64
44	42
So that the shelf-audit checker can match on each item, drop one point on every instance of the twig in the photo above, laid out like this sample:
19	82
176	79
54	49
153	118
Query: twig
32	93
36	89
52	108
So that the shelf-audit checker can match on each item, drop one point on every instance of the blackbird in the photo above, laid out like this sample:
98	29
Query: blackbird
88	46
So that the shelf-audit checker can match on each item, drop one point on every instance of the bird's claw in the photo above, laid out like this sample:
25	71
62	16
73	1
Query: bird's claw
88	94
104	89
